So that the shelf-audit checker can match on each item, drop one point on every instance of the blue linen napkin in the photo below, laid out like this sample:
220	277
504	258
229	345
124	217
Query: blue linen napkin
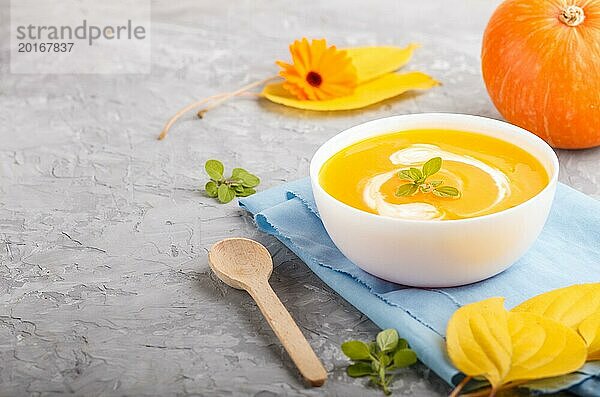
567	252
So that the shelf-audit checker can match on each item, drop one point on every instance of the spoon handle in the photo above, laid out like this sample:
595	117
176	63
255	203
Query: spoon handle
289	334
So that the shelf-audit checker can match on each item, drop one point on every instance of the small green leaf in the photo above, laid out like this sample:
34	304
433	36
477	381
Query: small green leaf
407	190
356	350
246	178
384	360
236	172
415	174
211	189
248	191
432	166
357	370
214	169
446	191
225	193
373	348
404	358
375	366
387	340
251	180
405	174
378	359
402	344
419	178
241	183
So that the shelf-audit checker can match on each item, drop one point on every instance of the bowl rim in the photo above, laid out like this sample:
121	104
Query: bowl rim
314	172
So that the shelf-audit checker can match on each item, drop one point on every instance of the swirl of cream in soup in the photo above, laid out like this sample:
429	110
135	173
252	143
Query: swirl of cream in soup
417	154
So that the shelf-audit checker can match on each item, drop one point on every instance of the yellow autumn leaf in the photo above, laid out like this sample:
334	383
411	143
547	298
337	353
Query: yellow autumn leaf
571	306
372	62
478	341
542	347
485	340
589	329
371	92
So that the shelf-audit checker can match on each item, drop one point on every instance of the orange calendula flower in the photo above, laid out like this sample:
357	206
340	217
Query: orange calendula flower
318	72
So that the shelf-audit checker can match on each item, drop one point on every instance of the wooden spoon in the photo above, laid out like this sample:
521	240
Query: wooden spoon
246	264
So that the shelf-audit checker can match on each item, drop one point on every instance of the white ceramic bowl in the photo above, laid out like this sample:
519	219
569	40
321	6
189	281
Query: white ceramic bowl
435	253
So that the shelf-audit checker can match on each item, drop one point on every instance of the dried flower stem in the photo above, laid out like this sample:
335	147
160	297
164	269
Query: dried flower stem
459	387
224	98
219	98
180	113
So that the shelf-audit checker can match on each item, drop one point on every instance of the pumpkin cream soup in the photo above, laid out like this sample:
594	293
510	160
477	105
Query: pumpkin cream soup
433	175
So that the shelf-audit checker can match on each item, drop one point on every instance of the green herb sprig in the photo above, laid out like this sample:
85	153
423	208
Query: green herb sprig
379	359
419	182
241	183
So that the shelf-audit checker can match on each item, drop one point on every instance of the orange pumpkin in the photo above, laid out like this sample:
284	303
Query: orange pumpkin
541	66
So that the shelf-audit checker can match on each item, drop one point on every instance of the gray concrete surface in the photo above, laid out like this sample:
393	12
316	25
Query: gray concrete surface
104	282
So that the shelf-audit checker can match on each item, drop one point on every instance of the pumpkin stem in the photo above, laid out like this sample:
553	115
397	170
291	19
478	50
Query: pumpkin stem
572	15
